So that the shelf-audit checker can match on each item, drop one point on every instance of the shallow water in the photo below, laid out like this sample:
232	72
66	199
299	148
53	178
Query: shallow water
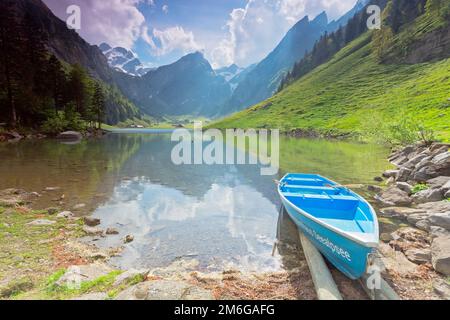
220	215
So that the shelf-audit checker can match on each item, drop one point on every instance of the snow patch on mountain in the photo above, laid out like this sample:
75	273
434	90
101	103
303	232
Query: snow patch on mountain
124	60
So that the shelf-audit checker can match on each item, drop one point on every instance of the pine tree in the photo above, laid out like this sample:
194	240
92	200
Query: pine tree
78	88
11	47
98	104
56	80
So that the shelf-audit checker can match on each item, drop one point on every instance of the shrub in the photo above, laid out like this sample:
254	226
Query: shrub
419	187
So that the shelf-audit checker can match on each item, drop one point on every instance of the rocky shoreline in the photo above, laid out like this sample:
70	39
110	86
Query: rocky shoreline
15	136
417	194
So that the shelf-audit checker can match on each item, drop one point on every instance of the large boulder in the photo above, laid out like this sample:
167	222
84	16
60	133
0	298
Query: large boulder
75	275
393	197
435	207
440	251
404	186
390	173
403	175
440	220
418	256
439	183
70	136
401	212
429	195
438	166
411	164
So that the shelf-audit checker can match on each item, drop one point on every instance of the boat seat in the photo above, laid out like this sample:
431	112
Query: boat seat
319	196
299	186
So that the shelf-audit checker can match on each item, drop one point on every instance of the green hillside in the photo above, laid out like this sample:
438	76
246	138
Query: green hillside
353	92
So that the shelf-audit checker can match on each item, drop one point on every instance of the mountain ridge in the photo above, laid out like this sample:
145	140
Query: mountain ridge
265	78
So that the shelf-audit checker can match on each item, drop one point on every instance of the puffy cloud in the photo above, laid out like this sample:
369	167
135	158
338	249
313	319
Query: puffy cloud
165	9
172	39
254	31
117	22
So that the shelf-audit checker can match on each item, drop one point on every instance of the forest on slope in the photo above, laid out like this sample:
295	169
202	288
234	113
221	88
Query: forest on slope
43	91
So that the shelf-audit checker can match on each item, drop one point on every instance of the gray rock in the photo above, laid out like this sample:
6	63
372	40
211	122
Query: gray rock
165	290
41	222
75	275
422	175
447	195
429	195
436	232
423	163
92	231
96	296
399	160
440	250
423	225
417	217
442	288
378	179
400	212
439	182
440	220
91	222
411	164
65	215
418	256
446	187
112	231
129	238
393	197
403	175
435	207
404	186
70	136
439	166
390	173
129	275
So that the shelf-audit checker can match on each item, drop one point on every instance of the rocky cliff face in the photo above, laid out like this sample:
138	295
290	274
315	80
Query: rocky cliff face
433	46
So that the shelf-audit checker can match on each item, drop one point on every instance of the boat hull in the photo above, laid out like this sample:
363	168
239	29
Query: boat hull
346	255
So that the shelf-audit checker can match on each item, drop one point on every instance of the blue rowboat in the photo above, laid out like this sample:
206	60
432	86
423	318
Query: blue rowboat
340	224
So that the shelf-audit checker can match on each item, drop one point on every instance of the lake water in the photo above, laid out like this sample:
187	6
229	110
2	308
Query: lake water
219	215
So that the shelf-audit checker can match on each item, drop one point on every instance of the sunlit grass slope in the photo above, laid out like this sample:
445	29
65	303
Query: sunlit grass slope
352	92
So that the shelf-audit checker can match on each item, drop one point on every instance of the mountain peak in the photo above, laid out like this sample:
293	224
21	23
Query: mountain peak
104	47
321	19
123	60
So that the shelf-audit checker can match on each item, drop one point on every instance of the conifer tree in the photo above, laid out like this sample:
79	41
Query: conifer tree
98	104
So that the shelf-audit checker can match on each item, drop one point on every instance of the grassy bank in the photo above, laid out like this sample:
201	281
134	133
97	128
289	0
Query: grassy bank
353	93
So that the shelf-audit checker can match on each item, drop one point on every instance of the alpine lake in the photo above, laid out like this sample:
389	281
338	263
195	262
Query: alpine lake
220	215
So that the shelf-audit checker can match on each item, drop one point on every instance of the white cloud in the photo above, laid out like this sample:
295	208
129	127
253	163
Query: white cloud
165	41
165	9
254	31
117	22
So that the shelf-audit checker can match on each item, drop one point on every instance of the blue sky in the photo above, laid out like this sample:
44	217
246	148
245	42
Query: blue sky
226	31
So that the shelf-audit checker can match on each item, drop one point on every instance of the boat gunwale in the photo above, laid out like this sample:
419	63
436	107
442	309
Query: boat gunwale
376	232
